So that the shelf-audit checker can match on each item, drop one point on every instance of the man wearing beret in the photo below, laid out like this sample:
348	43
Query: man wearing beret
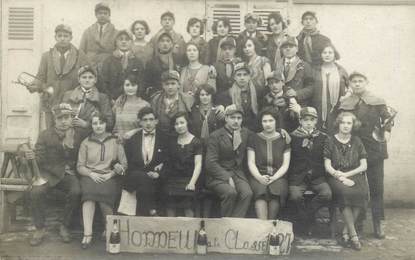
56	158
167	21
170	100
373	113
226	167
58	71
310	41
97	41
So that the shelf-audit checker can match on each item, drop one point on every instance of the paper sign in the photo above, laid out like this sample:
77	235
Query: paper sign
178	235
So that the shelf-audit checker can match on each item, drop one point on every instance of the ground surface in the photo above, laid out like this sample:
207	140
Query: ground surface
399	244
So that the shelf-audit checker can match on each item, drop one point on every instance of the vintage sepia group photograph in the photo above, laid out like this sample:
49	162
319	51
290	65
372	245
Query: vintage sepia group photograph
207	129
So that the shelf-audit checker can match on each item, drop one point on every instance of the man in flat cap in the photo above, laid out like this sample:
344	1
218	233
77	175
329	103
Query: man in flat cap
58	71
225	65
56	158
97	41
170	100
252	21
167	21
374	113
226	169
310	41
243	94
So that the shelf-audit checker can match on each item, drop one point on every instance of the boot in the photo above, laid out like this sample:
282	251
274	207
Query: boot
379	228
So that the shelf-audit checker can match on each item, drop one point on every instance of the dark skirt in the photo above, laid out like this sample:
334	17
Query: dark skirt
107	192
175	193
355	196
278	188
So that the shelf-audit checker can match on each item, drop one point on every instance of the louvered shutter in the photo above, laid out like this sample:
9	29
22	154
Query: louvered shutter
264	9
232	10
21	51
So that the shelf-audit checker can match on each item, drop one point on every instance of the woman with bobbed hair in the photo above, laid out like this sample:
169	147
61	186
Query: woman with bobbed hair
277	27
195	28
345	159
330	85
141	48
222	29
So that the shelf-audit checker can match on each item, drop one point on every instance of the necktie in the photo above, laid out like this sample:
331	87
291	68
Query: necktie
287	68
124	61
101	28
236	140
62	60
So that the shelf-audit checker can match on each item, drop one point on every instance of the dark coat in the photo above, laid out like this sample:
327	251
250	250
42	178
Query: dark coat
316	99
112	77
197	121
305	161
136	167
222	162
52	156
213	45
223	82
318	41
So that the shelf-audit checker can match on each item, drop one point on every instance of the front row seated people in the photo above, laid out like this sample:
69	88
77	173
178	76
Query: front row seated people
226	173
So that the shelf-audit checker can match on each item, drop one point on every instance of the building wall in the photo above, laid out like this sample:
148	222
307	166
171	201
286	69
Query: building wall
375	39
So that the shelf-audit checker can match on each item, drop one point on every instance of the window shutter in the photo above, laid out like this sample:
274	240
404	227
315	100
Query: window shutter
230	10
263	10
21	23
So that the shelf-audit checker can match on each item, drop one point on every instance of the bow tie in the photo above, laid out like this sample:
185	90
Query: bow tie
149	133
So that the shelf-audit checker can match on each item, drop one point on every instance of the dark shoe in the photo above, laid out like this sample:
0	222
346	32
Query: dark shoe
37	237
344	241
153	213
86	241
379	229
64	234
356	245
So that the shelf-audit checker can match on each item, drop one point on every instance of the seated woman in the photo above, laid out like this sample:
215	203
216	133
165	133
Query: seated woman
195	28
127	106
101	158
330	85
85	100
118	65
268	161
345	161
183	169
259	66
205	116
141	48
194	73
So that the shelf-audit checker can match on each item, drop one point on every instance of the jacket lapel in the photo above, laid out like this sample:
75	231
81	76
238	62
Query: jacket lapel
70	60
56	61
293	69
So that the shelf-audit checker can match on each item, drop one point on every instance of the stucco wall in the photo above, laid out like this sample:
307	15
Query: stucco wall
374	39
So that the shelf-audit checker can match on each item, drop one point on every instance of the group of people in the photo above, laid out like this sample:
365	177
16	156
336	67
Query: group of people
256	117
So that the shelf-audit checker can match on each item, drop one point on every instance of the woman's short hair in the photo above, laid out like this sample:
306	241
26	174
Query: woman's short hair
268	111
193	21
339	118
134	78
277	18
257	44
143	23
191	44
145	111
178	115
207	88
336	53
226	22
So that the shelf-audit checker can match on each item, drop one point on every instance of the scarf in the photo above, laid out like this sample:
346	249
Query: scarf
236	137
124	56
308	137
308	44
67	137
235	92
204	134
353	100
331	89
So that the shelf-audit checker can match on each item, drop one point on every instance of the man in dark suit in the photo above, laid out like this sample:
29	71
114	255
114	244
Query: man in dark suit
225	165
56	158
146	155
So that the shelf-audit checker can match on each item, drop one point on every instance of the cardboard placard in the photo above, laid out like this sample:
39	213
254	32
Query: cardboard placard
178	235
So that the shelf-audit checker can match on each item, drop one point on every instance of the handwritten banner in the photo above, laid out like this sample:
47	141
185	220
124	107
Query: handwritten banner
178	235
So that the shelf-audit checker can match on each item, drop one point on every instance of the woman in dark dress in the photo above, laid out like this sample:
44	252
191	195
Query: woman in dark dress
183	169
101	158
345	161
205	116
268	161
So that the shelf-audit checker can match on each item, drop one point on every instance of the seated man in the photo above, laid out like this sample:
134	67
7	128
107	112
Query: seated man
307	166
225	165
243	94
56	160
145	152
